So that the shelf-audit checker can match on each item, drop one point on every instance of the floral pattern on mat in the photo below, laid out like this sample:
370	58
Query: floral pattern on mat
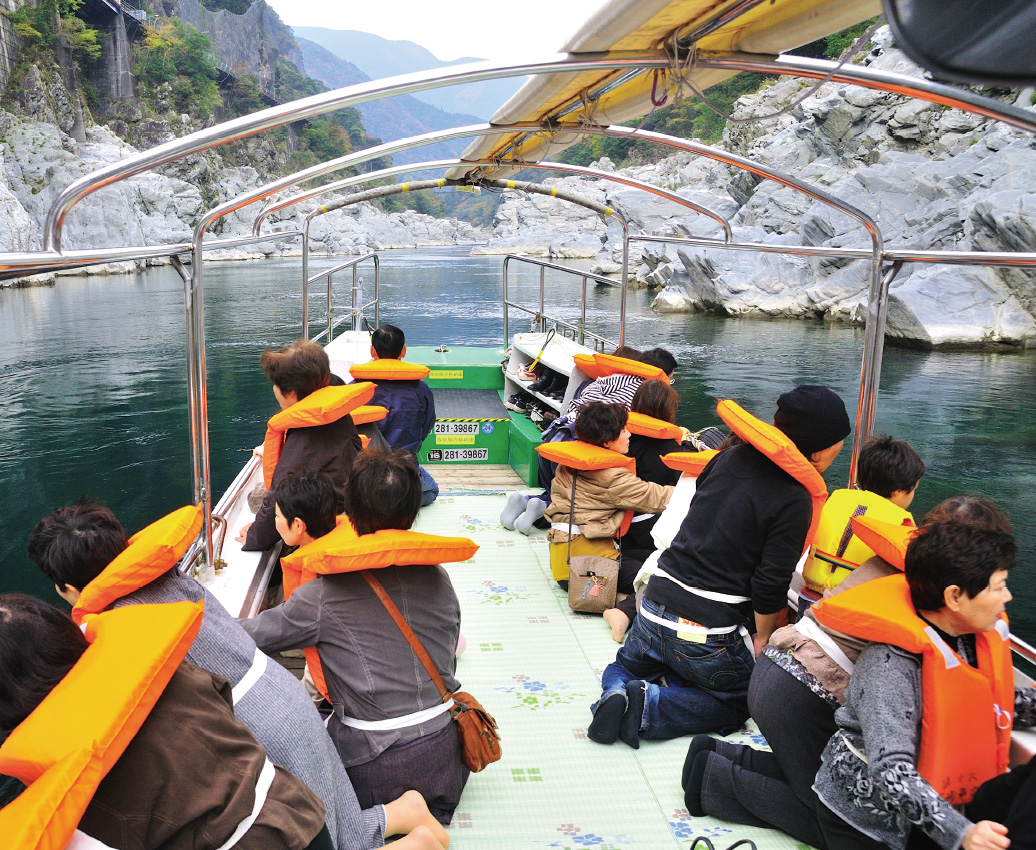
499	594
534	695
687	828
574	837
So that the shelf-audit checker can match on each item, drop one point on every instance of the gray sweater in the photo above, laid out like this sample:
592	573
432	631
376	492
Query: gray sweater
277	711
885	796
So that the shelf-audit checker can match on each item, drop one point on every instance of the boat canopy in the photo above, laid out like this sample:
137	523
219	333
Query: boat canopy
683	29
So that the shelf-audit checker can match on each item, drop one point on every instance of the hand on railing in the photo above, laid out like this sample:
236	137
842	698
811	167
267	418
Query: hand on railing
243	532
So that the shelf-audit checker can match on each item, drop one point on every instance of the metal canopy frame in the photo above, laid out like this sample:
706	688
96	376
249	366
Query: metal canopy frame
53	258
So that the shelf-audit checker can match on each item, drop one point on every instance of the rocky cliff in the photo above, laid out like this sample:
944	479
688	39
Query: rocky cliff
933	178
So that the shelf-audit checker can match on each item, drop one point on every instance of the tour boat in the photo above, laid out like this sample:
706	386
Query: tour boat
534	664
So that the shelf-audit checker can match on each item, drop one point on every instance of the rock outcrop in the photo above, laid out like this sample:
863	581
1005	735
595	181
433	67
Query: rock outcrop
932	178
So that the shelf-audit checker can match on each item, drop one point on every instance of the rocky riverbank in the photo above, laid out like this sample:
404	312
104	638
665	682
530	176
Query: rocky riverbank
933	178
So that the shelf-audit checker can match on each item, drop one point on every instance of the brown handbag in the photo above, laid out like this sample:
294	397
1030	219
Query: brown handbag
479	736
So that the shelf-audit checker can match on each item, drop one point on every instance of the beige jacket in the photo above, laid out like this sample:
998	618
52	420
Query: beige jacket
602	498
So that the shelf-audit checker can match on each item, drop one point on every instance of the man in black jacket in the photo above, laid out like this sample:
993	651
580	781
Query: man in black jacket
725	576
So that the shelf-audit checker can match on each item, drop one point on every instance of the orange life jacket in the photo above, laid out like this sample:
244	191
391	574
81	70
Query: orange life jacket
601	365
772	442
73	738
320	407
368	413
152	552
888	540
691	463
385	369
966	713
649	426
343	551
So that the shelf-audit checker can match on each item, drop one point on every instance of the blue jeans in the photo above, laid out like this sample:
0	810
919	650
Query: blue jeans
707	683
429	489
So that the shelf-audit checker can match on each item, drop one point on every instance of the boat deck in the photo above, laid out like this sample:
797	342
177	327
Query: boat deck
536	667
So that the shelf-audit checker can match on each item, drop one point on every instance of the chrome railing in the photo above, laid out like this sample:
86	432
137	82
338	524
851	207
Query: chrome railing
579	331
355	312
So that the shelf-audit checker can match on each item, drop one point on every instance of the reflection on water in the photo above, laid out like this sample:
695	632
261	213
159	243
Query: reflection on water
93	387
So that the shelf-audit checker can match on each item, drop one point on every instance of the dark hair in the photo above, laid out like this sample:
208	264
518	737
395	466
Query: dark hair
971	510
38	646
599	423
388	342
954	552
300	368
730	441
309	496
383	491
71	546
887	465
627	351
656	398
661	358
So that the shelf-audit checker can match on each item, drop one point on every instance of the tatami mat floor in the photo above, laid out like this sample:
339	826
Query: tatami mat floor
536	667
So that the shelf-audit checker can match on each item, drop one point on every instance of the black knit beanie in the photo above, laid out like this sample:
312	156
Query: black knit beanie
812	417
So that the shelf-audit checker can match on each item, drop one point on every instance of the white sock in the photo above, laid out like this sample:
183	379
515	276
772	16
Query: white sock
516	504
533	511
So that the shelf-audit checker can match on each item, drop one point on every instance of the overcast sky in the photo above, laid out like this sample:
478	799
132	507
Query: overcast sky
450	28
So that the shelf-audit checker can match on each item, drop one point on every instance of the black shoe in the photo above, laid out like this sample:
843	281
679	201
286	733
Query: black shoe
541	385
518	402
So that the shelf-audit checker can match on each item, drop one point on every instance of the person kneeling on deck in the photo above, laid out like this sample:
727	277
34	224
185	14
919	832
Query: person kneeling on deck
312	433
734	554
121	742
391	726
84	550
403	392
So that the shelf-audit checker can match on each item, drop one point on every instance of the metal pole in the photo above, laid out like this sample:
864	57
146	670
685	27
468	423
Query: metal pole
305	279
507	335
543	324
582	313
870	371
330	309
377	292
625	281
356	316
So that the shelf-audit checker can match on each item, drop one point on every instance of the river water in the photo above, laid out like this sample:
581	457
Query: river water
93	397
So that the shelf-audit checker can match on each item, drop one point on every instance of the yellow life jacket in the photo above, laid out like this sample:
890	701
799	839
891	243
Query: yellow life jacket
774	443
73	738
649	426
343	551
836	550
152	552
691	463
320	407
601	365
386	369
966	713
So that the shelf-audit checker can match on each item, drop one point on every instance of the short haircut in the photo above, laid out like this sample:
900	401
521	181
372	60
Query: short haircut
887	465
309	496
661	358
38	646
388	342
598	422
627	351
972	510
954	552
300	368
656	398
383	491
72	546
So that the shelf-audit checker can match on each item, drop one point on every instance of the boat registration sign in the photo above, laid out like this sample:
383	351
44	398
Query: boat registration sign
456	427
455	455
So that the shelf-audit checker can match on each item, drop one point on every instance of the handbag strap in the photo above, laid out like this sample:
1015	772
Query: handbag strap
571	515
408	633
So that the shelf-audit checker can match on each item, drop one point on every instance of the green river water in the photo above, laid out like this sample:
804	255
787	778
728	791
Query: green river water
93	397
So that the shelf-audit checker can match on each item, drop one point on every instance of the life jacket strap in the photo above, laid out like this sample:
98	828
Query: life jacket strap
807	627
414	719
711	595
252	675
262	789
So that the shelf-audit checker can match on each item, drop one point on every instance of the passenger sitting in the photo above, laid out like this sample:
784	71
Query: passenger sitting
602	497
373	678
74	546
297	371
191	773
732	559
887	473
522	512
928	709
410	405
